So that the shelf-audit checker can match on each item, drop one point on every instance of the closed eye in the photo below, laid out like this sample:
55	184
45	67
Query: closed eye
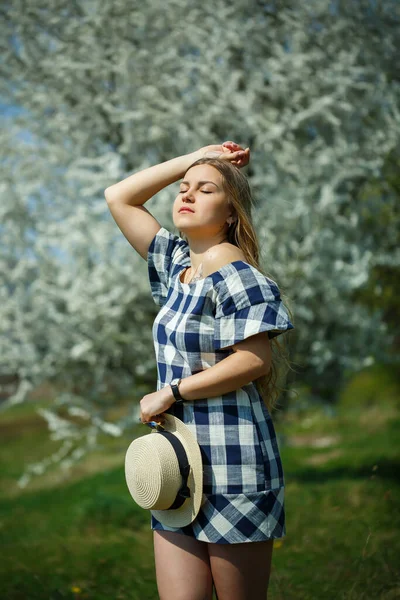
203	191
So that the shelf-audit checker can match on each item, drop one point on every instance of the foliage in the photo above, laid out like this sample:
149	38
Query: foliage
101	89
374	386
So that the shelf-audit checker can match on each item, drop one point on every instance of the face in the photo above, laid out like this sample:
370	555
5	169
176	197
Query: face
202	191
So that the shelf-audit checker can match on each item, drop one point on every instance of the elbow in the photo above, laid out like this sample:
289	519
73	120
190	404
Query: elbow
258	368
109	194
265	368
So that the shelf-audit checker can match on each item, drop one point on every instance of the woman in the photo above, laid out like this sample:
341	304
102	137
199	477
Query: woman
218	315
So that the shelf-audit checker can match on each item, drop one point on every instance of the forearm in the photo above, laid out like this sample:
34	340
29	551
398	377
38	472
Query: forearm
136	189
228	375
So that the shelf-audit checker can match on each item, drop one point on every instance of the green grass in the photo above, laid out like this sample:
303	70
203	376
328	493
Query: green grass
85	538
343	519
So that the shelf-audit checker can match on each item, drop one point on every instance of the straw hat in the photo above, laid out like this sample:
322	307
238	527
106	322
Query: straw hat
164	473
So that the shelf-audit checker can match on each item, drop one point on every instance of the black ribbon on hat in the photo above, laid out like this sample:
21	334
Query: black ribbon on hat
184	468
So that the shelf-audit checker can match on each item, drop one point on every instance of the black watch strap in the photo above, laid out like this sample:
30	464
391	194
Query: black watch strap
175	390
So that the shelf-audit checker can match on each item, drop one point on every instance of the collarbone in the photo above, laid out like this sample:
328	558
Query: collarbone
220	256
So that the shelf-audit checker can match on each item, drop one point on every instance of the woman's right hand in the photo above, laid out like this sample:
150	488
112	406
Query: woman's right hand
229	151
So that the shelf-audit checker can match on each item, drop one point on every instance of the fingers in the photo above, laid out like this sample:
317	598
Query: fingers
232	145
144	418
231	152
237	155
240	158
244	158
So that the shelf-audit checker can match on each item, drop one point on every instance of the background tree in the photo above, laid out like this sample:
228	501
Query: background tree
101	89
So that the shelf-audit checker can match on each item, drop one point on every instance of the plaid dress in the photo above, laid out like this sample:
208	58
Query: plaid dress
243	493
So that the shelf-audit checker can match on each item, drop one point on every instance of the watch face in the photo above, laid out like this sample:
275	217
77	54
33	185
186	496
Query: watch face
175	381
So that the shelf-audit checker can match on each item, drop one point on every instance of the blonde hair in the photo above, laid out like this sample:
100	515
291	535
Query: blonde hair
243	235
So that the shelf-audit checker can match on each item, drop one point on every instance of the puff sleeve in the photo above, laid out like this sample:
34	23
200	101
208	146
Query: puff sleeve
247	303
166	250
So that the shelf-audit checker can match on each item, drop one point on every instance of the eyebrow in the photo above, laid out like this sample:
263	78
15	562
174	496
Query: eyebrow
201	183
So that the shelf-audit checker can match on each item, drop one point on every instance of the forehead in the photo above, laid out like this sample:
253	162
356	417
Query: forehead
203	173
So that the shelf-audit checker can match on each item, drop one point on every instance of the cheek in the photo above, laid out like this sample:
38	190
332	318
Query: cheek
220	208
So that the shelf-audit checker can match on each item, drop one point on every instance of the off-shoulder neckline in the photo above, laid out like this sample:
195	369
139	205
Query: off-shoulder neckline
210	276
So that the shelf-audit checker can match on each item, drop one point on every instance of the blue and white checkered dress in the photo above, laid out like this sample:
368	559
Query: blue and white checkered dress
243	494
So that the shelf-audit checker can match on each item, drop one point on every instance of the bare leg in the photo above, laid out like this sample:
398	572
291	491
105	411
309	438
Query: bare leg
182	567
241	571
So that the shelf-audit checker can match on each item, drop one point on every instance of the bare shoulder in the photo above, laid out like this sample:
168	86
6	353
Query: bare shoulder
221	255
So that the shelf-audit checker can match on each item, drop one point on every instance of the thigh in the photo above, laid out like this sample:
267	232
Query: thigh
241	571
182	567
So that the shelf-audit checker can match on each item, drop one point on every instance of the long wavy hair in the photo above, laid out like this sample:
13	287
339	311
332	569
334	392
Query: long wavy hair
243	235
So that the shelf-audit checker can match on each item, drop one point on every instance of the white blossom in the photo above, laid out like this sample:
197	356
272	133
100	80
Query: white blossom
102	89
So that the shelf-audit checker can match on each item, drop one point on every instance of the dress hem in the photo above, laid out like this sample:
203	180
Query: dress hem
235	518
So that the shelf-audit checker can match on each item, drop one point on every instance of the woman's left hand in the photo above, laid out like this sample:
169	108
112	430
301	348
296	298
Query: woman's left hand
152	405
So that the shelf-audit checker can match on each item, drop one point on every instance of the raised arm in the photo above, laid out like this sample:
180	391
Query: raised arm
126	198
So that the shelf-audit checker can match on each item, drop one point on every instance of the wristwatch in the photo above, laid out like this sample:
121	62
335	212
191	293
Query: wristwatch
175	390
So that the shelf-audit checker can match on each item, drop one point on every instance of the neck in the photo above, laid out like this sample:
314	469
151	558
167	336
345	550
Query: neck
196	272
200	247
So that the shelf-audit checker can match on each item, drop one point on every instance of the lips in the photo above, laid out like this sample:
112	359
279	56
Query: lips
186	210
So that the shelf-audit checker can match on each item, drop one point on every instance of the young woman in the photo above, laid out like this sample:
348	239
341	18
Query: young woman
213	337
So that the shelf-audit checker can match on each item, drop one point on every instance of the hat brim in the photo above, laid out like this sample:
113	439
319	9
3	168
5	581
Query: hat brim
180	517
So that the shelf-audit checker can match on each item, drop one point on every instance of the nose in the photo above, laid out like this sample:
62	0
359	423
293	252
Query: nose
187	196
